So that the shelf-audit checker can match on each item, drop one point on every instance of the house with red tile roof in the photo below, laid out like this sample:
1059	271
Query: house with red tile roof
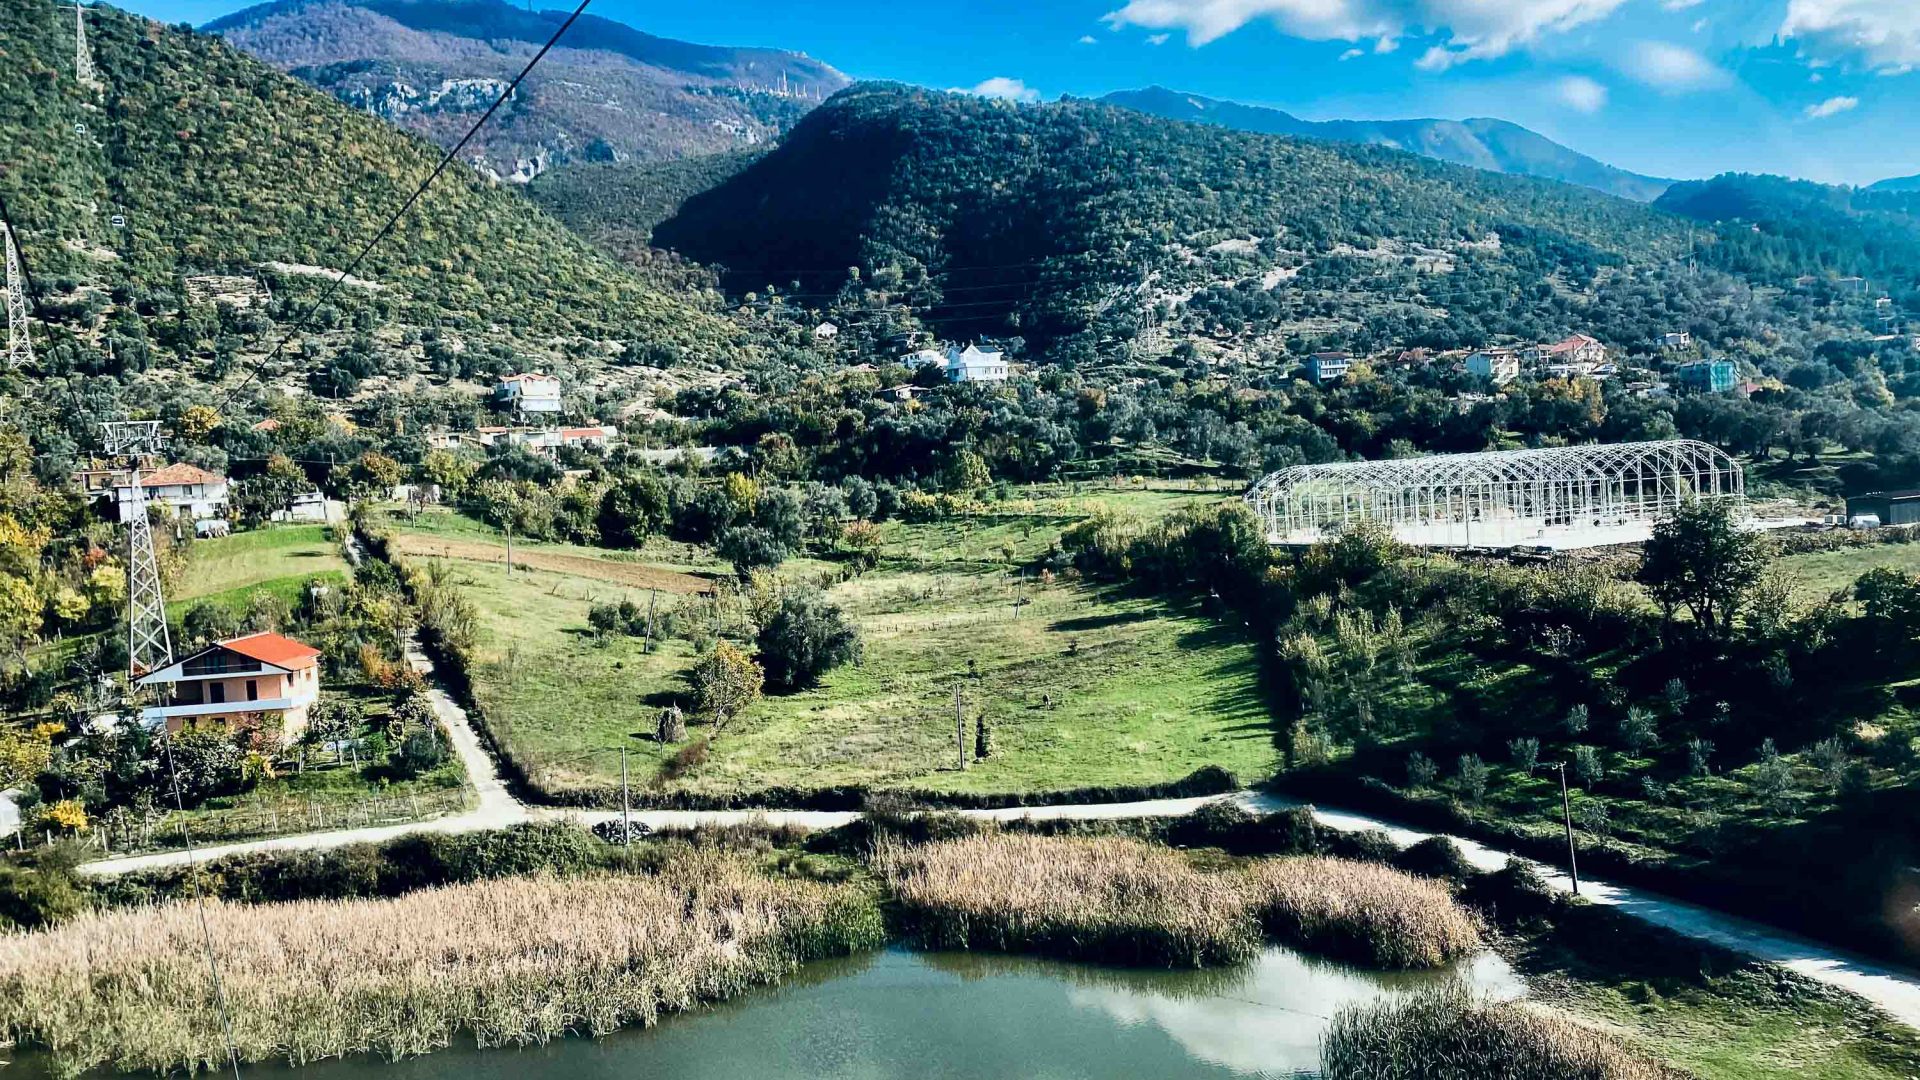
188	490
264	682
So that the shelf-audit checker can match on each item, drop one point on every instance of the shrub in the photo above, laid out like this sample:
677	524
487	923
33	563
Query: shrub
725	681
1362	911
1447	1034
1436	857
806	637
421	751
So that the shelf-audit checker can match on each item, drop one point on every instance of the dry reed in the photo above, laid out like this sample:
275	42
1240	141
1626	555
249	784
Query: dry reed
1362	911
511	961
1127	901
1448	1034
1103	899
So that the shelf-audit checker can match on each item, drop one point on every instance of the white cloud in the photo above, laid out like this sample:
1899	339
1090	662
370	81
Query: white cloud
1672	67
1883	35
1474	29
1158	39
1001	88
1088	39
1353	54
1581	93
1833	106
1700	24
1680	5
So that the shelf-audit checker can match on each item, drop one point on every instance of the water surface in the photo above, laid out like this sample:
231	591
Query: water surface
964	1016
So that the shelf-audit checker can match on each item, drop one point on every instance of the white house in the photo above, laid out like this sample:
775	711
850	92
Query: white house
1325	367
531	392
599	437
187	490
924	358
1572	355
308	506
1678	340
974	364
1500	365
826	331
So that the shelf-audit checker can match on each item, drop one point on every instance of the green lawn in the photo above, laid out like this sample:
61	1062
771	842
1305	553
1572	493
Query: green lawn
1822	573
1081	686
237	563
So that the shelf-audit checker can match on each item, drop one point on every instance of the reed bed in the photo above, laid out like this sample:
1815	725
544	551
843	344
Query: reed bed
1362	911
1107	898
1126	901
509	961
1448	1034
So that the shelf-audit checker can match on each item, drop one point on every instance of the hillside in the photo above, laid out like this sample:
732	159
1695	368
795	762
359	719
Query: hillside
618	204
1040	221
609	93
196	172
1483	143
1797	227
1897	183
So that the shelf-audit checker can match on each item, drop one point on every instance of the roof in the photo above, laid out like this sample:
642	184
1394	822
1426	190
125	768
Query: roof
529	377
269	424
1897	496
586	433
273	649
175	475
1569	344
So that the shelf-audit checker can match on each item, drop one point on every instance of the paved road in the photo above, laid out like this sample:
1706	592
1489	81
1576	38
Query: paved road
1894	990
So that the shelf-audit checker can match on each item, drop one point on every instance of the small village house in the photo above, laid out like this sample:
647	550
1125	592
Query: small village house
530	393
188	490
1324	367
1574	355
974	364
1500	365
260	681
1677	340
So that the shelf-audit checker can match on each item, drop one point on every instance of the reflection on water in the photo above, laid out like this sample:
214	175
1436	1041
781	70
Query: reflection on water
965	1016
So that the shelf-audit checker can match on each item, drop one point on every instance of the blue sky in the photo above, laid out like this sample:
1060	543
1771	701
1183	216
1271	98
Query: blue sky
1824	89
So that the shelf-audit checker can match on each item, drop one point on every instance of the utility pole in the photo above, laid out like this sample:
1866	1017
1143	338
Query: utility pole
148	645
1566	817
19	339
509	548
653	600
626	805
960	727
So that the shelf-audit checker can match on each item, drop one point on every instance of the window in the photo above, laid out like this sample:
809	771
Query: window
253	690
217	693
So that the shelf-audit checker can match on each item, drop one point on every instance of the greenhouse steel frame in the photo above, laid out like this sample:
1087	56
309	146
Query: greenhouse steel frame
1563	497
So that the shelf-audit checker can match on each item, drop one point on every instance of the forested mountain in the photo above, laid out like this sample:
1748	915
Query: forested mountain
1784	228
618	204
196	174
1483	143
1897	183
608	93
1054	223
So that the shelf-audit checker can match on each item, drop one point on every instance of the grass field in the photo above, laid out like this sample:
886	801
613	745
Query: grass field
1822	573
233	565
1081	686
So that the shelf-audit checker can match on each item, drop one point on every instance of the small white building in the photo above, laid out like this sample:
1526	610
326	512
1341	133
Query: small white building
1677	340
1500	365
599	437
826	331
924	358
1576	354
974	364
310	506
187	490
531	392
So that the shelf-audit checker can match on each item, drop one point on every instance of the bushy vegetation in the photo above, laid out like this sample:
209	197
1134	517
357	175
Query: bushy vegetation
1124	901
504	962
1449	1035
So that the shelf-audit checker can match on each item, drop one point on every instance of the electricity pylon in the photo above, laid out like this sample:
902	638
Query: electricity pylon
148	645
19	340
83	71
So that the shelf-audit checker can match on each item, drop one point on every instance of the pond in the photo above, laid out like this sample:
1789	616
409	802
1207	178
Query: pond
966	1016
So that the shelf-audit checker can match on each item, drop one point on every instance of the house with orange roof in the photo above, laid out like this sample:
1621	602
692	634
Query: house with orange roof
264	682
188	490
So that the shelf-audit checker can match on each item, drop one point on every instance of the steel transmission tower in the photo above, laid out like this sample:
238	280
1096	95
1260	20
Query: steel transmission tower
19	340
82	56
148	646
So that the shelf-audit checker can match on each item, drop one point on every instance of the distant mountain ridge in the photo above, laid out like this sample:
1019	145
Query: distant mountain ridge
1897	183
1482	143
609	92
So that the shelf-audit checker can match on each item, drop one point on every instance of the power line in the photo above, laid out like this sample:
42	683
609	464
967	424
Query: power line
385	230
